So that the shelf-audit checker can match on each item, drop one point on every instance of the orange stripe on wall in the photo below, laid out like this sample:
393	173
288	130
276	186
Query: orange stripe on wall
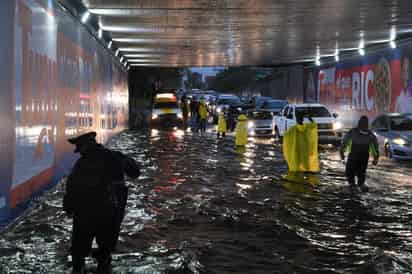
25	190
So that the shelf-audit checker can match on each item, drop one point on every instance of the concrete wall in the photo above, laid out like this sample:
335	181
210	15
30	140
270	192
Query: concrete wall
57	81
284	83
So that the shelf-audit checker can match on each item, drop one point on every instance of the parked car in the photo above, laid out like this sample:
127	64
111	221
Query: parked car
394	134
329	128
260	123
246	100
224	101
274	106
259	100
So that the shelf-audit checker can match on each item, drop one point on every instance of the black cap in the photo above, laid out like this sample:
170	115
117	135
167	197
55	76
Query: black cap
86	138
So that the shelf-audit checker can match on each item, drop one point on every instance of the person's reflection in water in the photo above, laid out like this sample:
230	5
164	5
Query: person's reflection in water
300	182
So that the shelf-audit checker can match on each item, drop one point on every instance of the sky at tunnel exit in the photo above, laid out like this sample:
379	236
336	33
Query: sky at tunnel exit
207	71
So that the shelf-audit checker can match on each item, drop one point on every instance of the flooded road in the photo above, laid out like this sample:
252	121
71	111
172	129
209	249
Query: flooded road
200	206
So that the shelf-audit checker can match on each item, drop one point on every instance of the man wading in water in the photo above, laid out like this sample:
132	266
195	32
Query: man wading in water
360	142
96	198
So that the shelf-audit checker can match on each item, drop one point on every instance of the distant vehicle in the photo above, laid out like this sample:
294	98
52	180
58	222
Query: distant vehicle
211	92
166	111
246	99
394	134
259	100
329	128
260	123
273	106
224	101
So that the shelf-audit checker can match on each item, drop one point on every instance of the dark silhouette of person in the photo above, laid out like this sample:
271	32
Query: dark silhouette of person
361	142
96	197
185	110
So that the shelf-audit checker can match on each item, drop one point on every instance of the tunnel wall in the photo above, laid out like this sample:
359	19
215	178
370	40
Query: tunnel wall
57	82
379	82
285	84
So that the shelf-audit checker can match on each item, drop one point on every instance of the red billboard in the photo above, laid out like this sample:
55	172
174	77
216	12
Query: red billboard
370	85
60	82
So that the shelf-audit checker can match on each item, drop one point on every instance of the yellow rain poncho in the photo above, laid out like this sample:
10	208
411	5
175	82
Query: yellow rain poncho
241	130
300	148
221	123
202	110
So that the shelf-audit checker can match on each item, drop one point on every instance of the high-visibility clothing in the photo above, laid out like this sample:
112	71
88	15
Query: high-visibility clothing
300	148
221	123
202	110
241	130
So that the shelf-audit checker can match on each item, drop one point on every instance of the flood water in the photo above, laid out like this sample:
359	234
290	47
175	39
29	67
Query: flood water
200	206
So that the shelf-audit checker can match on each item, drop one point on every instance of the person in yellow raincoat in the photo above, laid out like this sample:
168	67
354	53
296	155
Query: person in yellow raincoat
300	146
241	130
221	124
202	115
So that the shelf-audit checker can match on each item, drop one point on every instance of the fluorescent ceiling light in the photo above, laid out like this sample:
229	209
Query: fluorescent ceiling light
361	48
393	34
130	29
130	12
393	44
361	51
100	33
85	17
146	64
110	44
361	44
138	49
137	40
143	59
143	55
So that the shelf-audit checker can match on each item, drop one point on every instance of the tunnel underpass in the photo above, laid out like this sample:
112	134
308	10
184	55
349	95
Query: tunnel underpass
215	210
202	204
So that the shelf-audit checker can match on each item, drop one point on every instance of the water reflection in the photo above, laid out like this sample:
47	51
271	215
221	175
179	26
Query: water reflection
201	206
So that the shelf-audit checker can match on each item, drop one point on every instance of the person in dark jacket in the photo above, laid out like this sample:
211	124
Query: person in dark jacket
360	142
96	198
185	110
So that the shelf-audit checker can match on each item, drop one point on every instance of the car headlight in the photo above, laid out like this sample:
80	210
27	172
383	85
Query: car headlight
180	115
337	126
154	116
400	142
250	124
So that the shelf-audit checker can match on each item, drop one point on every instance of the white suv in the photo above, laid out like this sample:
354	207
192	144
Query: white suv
329	128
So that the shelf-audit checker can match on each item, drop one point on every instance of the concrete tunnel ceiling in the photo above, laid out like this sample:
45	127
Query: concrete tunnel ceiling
247	32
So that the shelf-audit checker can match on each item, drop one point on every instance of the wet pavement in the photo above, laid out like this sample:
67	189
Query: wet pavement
201	206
